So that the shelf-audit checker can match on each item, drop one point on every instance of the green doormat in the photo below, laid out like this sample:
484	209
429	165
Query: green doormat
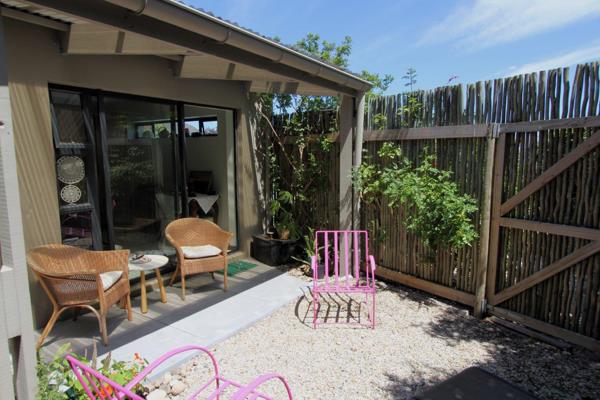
235	267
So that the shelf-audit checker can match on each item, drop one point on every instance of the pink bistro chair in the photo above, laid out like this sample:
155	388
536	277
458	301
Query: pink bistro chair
348	267
99	387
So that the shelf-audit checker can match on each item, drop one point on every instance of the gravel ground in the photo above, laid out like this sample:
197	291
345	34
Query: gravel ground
418	341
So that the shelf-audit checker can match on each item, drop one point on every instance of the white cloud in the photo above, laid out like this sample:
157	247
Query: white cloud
484	23
567	59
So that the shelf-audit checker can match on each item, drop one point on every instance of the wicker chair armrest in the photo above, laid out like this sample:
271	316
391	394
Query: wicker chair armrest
81	275
112	260
171	240
222	240
176	245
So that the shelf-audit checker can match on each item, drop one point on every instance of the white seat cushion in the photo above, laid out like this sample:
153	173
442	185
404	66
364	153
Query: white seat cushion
200	251
110	278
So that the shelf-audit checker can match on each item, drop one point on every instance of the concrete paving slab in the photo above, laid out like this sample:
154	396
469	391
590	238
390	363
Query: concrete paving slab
215	323
207	316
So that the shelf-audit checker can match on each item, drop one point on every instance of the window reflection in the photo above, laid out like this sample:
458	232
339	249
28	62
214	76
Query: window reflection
141	160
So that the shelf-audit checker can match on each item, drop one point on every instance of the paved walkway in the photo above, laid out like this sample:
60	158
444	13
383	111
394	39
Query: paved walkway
206	317
216	323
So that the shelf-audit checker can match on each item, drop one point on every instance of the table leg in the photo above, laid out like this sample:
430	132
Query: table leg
144	305
161	286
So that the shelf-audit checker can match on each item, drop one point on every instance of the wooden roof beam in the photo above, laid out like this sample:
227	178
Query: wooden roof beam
97	39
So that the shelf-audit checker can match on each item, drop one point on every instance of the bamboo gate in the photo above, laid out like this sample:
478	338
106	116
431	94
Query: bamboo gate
528	149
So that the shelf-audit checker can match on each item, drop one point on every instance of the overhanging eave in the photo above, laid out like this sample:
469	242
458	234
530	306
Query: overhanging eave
123	19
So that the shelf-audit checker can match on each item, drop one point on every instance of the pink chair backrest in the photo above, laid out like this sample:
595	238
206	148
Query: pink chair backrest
98	386
343	253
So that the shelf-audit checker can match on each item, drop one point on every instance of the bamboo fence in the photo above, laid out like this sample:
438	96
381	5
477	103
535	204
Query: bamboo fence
530	122
325	204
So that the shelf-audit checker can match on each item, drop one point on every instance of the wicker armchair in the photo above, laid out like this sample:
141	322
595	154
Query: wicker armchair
71	277
198	232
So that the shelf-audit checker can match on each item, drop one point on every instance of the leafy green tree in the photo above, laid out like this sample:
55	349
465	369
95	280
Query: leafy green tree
336	54
380	84
438	213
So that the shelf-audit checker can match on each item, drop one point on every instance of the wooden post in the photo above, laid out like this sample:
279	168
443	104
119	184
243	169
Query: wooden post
358	149
16	326
486	207
490	287
346	124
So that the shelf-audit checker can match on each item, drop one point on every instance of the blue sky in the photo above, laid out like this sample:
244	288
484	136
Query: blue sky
472	39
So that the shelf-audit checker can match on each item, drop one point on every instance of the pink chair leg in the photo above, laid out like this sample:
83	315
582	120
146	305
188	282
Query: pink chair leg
315	308
373	314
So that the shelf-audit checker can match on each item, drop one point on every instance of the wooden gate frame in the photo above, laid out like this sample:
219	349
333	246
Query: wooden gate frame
499	209
485	300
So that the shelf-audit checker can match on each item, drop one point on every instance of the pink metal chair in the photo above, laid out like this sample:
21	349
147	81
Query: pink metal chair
99	387
348	267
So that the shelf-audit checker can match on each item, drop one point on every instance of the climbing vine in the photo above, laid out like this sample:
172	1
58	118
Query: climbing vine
307	157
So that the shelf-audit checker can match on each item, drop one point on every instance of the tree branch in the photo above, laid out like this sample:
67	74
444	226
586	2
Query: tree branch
279	141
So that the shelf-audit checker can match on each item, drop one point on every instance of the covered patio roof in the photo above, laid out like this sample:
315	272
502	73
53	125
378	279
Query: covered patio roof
200	45
197	46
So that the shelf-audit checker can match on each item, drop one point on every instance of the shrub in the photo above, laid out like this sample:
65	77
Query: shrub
435	209
56	380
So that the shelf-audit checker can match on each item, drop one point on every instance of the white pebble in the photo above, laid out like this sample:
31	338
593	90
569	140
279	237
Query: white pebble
157	394
177	387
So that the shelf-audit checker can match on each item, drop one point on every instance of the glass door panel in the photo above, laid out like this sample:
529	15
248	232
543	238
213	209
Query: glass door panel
73	120
141	141
210	165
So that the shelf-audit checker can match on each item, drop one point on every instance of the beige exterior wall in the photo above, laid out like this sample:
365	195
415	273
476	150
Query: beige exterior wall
34	61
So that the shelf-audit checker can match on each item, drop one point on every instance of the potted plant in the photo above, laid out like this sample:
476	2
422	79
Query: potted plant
309	252
278	248
283	219
295	175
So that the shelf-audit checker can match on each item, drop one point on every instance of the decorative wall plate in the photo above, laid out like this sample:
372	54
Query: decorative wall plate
70	194
70	169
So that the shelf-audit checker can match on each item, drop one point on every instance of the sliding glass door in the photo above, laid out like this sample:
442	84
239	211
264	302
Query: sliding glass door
141	139
125	171
210	146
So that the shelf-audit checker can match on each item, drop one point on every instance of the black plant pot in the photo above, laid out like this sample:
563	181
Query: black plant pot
272	251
